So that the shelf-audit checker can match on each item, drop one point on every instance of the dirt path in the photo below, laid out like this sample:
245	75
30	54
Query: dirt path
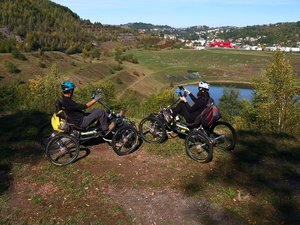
148	187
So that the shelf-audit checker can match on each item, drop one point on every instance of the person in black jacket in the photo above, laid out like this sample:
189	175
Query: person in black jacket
75	111
200	103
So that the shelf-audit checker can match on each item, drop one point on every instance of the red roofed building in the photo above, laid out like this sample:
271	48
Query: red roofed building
222	45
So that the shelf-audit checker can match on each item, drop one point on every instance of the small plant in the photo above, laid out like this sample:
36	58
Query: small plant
118	67
41	64
119	81
18	55
113	177
111	71
73	63
11	68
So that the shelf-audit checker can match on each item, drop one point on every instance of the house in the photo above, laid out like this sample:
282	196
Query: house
222	44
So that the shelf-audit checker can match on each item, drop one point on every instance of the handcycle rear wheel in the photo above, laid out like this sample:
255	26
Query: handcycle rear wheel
198	147
62	149
224	135
125	140
152	130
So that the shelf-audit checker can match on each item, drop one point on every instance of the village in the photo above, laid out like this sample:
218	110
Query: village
212	42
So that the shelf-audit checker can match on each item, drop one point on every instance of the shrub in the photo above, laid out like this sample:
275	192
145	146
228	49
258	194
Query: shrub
41	92
41	64
95	53
18	55
118	67
7	97
11	68
119	81
130	58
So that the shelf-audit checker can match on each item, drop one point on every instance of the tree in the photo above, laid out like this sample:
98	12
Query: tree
273	96
229	104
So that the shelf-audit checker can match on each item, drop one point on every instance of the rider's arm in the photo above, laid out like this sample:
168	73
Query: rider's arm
90	103
199	104
194	99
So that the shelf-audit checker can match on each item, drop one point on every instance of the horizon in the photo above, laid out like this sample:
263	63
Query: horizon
181	14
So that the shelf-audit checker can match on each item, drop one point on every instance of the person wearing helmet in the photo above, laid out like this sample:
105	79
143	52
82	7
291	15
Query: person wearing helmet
75	111
200	103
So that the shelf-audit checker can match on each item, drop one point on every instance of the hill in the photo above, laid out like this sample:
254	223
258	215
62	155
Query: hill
30	25
42	24
283	34
146	26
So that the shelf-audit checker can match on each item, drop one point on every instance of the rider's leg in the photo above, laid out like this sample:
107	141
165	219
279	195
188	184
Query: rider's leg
96	114
181	109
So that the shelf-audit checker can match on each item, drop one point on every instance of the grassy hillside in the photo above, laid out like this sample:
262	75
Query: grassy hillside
156	69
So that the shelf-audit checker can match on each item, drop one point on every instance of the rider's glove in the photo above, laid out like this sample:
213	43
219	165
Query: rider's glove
97	97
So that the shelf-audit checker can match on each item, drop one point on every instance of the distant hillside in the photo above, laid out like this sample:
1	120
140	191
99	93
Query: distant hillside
285	34
42	24
146	26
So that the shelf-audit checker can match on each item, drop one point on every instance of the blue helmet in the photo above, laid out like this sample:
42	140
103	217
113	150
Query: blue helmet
67	86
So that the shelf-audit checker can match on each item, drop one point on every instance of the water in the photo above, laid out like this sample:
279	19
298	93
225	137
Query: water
217	91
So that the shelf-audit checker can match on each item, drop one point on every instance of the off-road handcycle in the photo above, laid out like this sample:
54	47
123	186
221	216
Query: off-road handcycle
62	142
199	139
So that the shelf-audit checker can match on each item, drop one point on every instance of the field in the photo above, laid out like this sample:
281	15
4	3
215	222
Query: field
155	71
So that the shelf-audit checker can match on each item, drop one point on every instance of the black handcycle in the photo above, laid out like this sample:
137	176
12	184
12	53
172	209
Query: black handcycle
62	144
199	140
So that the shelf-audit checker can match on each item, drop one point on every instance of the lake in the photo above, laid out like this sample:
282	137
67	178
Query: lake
217	91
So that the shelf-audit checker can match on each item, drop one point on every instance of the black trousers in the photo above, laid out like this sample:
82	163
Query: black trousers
182	110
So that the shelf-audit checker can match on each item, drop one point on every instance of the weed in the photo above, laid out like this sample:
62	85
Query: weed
113	177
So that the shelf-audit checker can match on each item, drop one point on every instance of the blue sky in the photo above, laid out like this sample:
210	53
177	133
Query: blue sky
185	13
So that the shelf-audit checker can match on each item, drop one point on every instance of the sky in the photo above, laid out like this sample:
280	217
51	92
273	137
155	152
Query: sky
186	13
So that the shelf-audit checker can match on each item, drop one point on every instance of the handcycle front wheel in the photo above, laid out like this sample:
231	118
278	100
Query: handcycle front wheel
224	135
125	140
198	147
62	150
152	130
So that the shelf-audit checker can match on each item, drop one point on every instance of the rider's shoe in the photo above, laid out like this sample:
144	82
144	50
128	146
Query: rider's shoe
111	126
120	114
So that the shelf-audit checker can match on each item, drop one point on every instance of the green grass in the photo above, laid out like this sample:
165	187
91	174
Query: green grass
212	64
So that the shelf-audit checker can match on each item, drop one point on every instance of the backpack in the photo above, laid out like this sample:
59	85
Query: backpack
210	114
59	119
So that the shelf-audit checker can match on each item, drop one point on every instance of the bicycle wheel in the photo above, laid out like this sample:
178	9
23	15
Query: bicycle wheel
62	150
152	130
198	147
224	135
125	140
46	132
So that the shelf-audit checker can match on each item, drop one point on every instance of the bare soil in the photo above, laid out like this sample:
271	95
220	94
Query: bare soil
148	187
